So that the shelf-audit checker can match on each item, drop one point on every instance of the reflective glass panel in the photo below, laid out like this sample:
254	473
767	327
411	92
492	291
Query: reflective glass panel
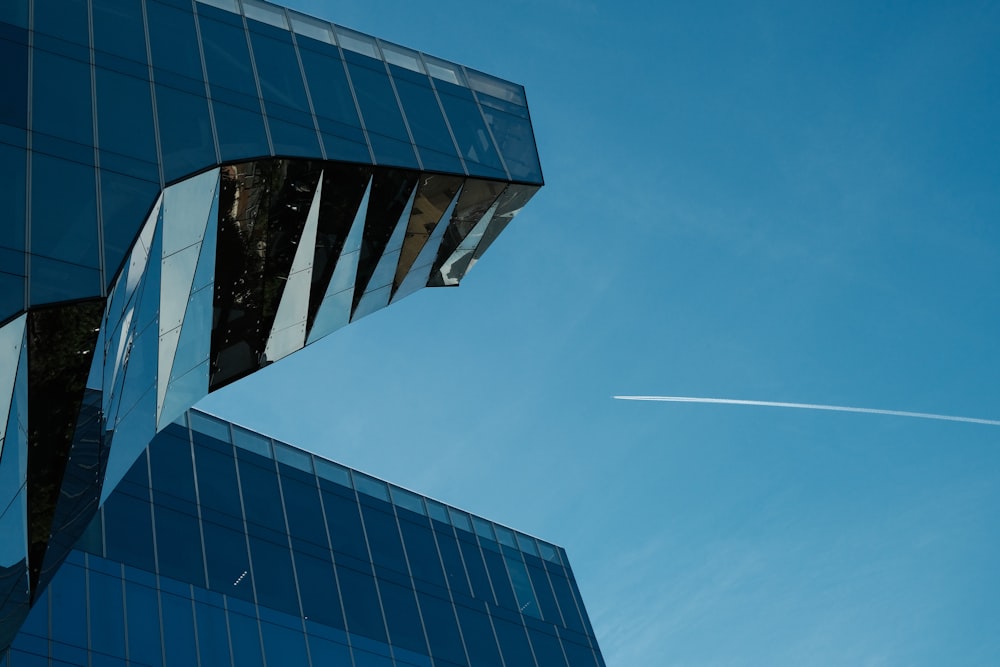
172	40
118	28
14	78
383	119
65	110
64	211
423	113
186	140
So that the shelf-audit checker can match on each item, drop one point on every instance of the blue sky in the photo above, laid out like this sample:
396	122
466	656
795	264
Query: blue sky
777	202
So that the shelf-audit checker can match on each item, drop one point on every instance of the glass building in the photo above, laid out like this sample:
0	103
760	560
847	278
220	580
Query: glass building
195	189
223	547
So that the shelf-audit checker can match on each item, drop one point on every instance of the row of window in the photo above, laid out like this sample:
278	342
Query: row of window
118	616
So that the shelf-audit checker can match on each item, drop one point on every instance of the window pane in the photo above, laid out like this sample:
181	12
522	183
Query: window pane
228	564
64	211
344	523
178	543
143	624
178	630
474	142
130	530
213	643
263	504
437	151
383	119
14	80
320	600
185	133
364	617
64	110
172	40
332	100
402	617
442	631
118	28
274	583
227	56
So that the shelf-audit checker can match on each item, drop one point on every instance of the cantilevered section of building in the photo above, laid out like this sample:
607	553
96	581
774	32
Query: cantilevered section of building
194	190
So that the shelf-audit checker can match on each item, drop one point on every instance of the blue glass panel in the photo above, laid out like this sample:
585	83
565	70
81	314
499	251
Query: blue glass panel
125	204
333	103
383	539
325	652
245	634
125	116
64	110
402	617
130	530
474	141
69	599
526	602
118	28
513	642
172	40
13	163
543	593
498	576
186	140
442	631
178	545
422	553
213	643
284	646
383	119
479	637
452	560
548	650
15	12
64	211
143	624
178	630
241	132
477	570
173	476
227	560
278	70
567	604
107	617
305	516
437	151
11	294
579	656
344	523
275	583
263	506
217	487
14	80
65	19
364	617
227	56
53	280
517	144
319	590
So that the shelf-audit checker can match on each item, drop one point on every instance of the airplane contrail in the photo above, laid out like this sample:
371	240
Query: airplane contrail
812	406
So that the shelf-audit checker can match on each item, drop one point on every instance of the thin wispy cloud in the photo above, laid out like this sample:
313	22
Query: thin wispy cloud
812	406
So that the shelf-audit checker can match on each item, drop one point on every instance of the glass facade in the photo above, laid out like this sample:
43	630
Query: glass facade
223	547
196	189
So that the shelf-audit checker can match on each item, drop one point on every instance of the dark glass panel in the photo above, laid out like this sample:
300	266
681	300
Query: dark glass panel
172	40
227	56
241	132
423	113
442	631
364	617
470	131
567	603
293	138
543	593
143	624
278	70
422	553
344	522
526	602
402	617
65	19
517	145
11	294
15	13
477	570
213	644
284	646
328	653
64	211
274	582
107	617
383	539
69	599
320	600
479	637
332	101
579	656
383	119
547	648
228	564
217	487
263	206
64	110
245	634
118	28
13	166
305	516
61	340
14	80
434	195
125	116
186	141
125	203
476	199
262	502
452	560
178	627
53	280
498	576
343	189
130	530
173	476
178	545
513	643
391	190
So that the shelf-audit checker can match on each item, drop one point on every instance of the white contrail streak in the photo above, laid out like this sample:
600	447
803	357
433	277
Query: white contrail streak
812	406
